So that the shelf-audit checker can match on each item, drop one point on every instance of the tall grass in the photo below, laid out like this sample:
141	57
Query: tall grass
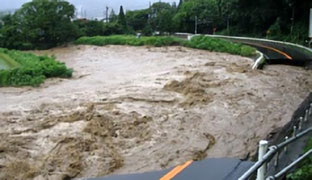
8	60
3	64
220	45
29	69
198	42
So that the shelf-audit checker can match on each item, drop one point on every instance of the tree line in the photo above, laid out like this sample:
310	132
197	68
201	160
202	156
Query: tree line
47	23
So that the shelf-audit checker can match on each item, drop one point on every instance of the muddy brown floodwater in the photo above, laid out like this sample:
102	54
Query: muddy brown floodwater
137	109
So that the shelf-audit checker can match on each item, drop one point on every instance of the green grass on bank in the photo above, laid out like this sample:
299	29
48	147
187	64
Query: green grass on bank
220	45
29	69
129	40
198	42
3	64
305	170
7	62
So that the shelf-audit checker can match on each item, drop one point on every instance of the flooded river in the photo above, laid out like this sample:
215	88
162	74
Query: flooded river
137	109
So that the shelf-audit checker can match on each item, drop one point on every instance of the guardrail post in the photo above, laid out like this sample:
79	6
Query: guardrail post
301	119
285	148
300	124
306	116
294	131
276	159
263	147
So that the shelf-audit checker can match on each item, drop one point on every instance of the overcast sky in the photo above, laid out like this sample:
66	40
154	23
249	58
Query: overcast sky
93	7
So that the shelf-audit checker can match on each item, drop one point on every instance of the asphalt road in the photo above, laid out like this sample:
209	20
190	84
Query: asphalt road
283	55
209	169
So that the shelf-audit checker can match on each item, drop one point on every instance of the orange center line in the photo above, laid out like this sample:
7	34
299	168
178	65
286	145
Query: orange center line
176	171
273	49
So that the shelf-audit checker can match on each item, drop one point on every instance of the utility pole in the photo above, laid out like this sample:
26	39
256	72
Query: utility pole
150	11
292	5
107	13
310	29
292	20
228	20
228	25
196	24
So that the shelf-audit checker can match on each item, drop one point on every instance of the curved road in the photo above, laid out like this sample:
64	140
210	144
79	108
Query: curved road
277	52
275	55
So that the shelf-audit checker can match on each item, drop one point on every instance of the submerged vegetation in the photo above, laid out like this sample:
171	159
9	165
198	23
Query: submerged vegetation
29	69
197	42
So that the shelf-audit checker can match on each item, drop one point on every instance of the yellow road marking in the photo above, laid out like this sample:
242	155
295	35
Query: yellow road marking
176	171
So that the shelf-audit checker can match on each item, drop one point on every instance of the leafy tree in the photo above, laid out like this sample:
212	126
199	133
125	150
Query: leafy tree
98	28
112	28
89	28
148	30
112	16
161	15
138	19
11	34
204	11
39	24
122	18
180	4
260	15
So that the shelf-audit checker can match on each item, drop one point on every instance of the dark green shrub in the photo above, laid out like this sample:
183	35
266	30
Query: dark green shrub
129	40
219	45
32	70
198	42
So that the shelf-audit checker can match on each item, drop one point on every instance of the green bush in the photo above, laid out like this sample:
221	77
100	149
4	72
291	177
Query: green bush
129	40
31	70
198	42
305	170
9	61
219	45
98	28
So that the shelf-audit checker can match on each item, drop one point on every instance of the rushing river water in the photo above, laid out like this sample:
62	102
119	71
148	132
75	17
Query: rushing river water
137	109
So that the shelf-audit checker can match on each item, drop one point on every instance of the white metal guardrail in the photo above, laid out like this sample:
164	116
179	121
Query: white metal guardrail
257	62
189	36
266	154
263	40
304	50
289	167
